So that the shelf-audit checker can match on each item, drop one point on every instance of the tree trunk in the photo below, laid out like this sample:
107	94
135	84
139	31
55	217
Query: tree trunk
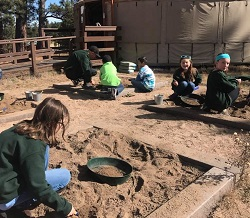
21	32
41	18
1	34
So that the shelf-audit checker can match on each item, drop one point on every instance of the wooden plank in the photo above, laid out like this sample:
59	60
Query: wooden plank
33	53
7	59
21	53
16	58
100	28
6	55
45	54
43	50
64	37
14	54
97	62
24	40
99	39
106	49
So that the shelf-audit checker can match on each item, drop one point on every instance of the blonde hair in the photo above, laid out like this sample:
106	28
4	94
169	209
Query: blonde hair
49	114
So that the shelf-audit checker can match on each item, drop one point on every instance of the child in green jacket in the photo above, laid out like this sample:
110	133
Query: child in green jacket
222	90
109	78
25	180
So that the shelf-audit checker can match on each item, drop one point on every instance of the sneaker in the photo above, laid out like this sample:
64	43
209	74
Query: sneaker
75	82
88	86
204	107
225	112
27	205
196	88
114	93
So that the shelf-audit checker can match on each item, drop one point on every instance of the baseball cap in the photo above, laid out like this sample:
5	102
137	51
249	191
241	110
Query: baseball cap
95	50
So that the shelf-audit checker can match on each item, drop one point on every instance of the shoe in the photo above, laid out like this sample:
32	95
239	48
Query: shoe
204	107
114	93
173	96
196	88
88	86
75	82
225	112
27	205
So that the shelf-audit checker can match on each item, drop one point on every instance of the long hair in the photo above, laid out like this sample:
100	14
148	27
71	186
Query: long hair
50	116
190	74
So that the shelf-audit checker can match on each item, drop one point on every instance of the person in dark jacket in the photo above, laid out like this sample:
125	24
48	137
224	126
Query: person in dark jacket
185	79
222	89
78	66
24	153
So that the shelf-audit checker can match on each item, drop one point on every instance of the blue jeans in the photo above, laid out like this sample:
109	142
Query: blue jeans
138	85
184	88
119	88
234	94
57	178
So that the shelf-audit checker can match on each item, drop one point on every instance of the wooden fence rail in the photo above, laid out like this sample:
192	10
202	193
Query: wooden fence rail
32	57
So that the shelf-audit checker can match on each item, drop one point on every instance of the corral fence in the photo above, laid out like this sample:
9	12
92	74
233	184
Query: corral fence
47	51
29	55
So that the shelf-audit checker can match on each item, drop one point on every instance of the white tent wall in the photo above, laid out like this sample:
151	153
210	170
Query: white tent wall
149	49
246	53
163	30
139	23
236	26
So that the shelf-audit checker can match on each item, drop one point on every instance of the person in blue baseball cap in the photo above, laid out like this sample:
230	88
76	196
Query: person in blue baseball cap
222	89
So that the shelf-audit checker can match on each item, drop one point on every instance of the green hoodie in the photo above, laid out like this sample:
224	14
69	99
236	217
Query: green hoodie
108	75
219	85
77	64
22	168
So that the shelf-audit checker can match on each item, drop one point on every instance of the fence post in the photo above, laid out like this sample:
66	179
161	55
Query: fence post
33	58
14	51
43	35
70	46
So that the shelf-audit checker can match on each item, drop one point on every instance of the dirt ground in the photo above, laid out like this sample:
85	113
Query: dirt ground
158	174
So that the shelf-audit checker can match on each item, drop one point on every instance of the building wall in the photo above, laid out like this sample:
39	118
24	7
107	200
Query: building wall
164	30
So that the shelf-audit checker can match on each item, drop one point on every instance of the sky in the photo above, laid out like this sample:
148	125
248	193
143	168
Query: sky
47	3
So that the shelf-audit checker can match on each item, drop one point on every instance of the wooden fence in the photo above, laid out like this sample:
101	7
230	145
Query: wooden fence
35	58
30	55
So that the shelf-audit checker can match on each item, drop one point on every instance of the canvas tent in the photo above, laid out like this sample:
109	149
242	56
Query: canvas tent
163	30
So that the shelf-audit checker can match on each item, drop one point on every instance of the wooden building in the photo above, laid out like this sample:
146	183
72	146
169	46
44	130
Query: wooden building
162	30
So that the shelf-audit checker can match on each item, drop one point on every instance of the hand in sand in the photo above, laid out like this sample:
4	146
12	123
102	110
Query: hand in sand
73	212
